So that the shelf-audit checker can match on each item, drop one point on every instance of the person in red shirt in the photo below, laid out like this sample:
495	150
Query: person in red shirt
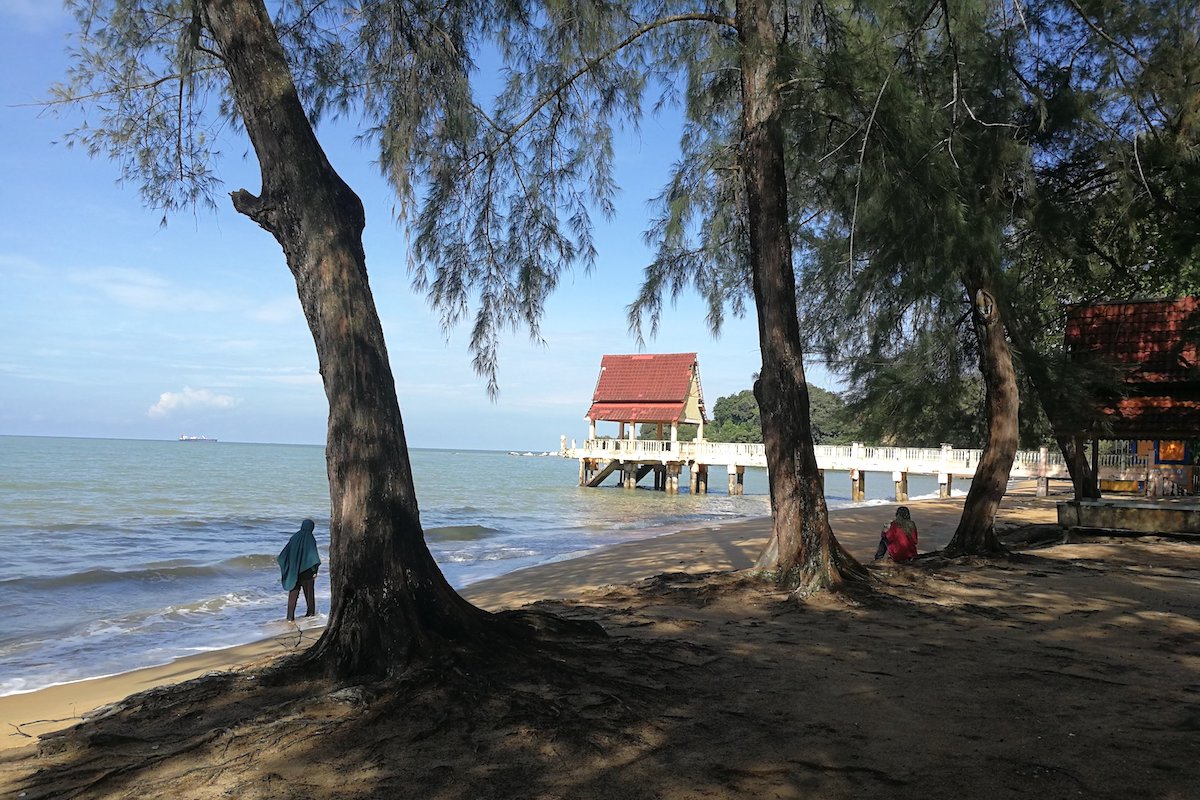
899	541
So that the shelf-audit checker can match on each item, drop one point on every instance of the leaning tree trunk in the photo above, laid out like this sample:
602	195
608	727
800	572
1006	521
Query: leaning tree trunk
1049	398
802	551
390	602
976	527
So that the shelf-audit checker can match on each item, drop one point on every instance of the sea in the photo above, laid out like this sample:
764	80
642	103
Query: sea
121	554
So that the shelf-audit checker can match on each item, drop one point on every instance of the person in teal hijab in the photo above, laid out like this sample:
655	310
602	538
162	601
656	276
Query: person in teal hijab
298	563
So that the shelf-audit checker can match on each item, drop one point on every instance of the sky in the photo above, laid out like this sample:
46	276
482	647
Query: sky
114	326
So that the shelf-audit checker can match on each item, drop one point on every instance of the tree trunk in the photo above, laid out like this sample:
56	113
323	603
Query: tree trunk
1044	387
802	551
976	528
390	602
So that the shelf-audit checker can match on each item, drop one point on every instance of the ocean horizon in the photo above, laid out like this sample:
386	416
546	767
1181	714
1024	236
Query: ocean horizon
130	553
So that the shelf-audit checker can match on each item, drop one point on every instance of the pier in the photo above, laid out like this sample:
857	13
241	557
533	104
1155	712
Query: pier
633	460
661	393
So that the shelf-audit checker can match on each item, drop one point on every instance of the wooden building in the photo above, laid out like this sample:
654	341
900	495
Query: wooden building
658	389
1153	344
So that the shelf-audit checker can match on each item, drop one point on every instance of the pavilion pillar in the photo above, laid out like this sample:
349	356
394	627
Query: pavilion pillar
591	429
700	430
674	433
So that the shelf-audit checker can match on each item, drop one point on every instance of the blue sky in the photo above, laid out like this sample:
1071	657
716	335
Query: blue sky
112	326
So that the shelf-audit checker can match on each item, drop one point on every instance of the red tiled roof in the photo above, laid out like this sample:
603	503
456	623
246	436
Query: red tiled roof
1157	416
631	412
649	387
1156	343
1155	339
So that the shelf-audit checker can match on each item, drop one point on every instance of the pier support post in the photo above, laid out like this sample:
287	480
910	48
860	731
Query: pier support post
900	478
858	485
583	472
741	481
672	478
694	479
702	478
946	477
1043	481
732	472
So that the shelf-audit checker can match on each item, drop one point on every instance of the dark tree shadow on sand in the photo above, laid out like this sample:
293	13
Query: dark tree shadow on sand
1064	671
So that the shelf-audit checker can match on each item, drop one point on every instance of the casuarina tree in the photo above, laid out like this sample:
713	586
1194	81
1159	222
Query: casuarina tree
544	162
158	80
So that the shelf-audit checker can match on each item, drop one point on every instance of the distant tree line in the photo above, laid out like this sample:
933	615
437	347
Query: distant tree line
735	418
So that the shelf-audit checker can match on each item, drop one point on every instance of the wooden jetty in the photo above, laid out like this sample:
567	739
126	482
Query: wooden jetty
664	390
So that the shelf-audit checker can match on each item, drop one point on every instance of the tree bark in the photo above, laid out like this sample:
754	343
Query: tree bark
390	601
1043	387
802	552
976	527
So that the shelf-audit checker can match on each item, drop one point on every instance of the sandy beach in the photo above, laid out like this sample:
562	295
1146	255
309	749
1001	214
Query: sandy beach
723	548
1069	670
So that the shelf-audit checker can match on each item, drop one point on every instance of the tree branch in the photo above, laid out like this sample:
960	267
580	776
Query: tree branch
1104	34
590	63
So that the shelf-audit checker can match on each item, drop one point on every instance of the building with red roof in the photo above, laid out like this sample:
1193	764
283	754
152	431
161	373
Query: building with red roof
1155	347
648	388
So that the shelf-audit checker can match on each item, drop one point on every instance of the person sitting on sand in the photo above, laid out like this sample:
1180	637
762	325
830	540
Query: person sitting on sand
899	541
298	563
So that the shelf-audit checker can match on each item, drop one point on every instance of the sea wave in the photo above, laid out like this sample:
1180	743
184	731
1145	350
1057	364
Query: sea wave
149	573
460	533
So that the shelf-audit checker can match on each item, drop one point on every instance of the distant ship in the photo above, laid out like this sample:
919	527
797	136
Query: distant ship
183	437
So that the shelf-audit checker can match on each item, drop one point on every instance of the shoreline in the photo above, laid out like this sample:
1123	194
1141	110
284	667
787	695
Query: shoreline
719	546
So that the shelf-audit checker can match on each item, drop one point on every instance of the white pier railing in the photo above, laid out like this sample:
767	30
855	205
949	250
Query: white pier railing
945	460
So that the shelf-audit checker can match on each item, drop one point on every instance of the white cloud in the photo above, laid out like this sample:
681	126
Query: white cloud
17	265
281	309
145	291
190	399
303	379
